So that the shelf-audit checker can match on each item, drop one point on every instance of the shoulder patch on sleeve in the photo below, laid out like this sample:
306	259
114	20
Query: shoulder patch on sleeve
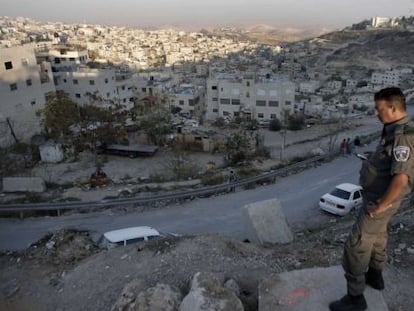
401	153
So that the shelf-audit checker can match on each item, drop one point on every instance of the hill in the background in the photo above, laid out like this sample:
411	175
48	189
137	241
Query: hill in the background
380	48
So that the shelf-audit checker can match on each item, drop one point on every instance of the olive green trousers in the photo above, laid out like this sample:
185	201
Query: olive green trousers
366	247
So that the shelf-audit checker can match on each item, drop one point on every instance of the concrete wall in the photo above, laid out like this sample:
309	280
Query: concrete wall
22	105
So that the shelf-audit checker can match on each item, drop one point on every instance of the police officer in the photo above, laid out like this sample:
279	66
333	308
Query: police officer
387	176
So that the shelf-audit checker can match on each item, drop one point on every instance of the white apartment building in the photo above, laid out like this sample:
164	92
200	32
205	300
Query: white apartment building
387	78
309	86
23	87
107	88
99	85
231	96
335	84
379	22
350	83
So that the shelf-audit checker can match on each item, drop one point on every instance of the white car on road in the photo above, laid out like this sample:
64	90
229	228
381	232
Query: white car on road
341	200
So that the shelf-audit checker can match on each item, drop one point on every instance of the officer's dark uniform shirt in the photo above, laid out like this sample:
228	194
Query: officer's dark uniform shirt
394	155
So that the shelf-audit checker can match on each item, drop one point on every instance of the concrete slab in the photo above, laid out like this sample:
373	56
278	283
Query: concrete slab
265	223
310	290
23	184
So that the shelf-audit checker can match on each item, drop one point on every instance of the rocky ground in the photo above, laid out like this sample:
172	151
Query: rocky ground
68	270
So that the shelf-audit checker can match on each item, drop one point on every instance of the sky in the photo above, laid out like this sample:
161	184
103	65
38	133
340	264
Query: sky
308	14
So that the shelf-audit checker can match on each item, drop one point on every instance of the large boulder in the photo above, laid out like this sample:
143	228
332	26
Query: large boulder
128	295
266	223
310	289
23	184
158	298
135	297
208	293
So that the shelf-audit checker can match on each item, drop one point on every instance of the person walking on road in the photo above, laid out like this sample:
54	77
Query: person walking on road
348	146
343	147
387	176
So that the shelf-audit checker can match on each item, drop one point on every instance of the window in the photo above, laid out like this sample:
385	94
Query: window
144	89
25	62
357	195
260	115
91	82
261	103
247	83
235	101
78	95
107	94
247	94
273	103
57	60
8	65
13	87
181	102
288	102
33	102
75	81
272	116
225	101
124	100
342	194
29	82
226	113
214	87
221	89
64	80
215	99
72	59
236	113
106	80
191	102
215	110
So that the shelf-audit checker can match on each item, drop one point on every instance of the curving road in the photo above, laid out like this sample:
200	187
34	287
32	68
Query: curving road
298	194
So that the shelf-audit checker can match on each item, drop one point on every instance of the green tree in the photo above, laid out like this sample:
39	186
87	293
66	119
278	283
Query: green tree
275	125
296	122
157	124
59	114
238	147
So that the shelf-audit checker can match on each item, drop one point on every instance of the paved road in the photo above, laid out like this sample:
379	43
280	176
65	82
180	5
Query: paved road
298	194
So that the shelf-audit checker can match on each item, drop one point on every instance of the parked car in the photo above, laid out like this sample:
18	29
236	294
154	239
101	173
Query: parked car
127	236
341	200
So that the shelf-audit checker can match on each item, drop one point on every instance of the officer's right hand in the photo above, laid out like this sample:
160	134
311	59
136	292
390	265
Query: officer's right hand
368	154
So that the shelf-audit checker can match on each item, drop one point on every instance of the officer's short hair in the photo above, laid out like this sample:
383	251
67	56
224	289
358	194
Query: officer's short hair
393	95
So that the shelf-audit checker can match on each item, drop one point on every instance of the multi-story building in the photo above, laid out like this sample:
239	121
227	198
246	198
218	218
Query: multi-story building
387	78
309	86
262	98
24	84
89	83
383	22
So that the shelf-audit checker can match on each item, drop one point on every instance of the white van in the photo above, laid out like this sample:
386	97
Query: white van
128	236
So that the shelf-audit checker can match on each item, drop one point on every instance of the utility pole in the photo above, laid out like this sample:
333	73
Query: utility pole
283	133
11	130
